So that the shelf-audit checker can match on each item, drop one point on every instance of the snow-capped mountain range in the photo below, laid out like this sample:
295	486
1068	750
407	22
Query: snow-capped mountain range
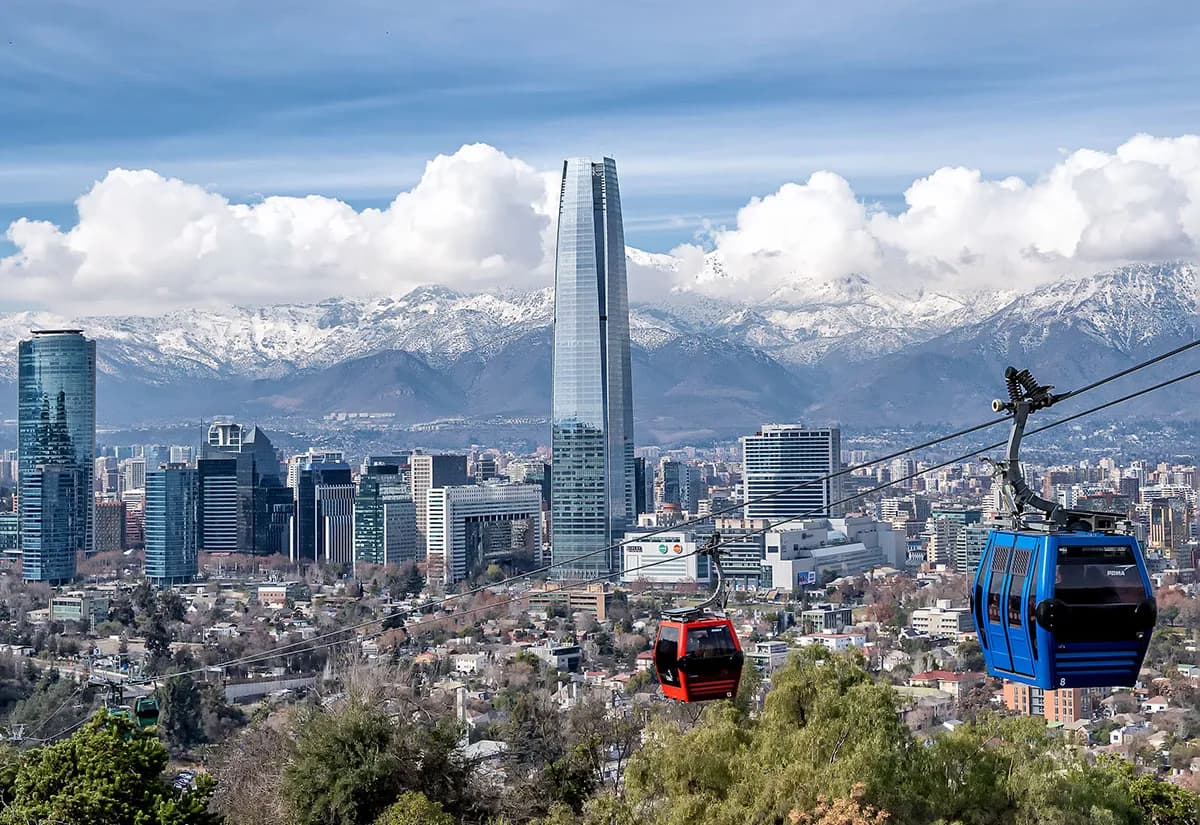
842	350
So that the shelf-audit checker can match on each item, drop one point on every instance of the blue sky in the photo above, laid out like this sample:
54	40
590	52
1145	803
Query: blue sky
703	104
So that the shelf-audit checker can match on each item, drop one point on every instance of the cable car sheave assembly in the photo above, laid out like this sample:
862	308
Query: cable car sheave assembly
1061	597
697	655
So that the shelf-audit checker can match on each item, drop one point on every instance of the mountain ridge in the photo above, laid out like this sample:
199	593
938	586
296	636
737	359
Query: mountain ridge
436	351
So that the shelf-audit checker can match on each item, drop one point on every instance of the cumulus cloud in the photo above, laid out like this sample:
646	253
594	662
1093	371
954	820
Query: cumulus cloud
960	231
477	219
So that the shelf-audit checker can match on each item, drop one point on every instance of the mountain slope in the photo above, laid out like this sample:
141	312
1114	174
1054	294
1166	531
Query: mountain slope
843	351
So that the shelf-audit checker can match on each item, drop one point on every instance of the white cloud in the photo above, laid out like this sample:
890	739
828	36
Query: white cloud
477	219
960	231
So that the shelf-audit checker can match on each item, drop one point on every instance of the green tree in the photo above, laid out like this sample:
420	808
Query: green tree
414	808
181	721
108	772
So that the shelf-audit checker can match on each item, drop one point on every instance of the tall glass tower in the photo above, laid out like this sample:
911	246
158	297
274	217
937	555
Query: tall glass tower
56	433
592	474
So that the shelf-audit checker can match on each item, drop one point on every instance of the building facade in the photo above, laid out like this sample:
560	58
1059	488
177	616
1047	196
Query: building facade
385	518
56	427
110	526
426	473
592	478
172	516
778	459
473	526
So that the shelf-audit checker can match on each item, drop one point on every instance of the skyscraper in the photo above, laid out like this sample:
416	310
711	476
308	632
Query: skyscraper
385	518
592	480
172	504
56	422
782	456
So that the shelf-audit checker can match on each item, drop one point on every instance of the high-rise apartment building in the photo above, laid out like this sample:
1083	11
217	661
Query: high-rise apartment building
780	458
56	427
427	473
172	507
592	479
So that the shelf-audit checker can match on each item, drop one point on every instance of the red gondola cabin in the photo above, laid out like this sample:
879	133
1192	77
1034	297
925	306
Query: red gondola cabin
698	660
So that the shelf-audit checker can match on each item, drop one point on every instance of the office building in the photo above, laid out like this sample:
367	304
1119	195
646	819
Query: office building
473	526
791	463
219	510
172	510
81	606
49	513
10	537
251	465
181	454
135	517
385	518
322	522
56	427
110	527
643	487
592	494
427	473
742	549
132	473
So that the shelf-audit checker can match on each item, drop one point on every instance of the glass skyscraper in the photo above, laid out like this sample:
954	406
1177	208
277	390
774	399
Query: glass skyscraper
56	424
172	504
592	477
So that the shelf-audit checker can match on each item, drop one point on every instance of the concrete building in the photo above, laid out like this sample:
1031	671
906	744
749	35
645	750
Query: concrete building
666	558
943	621
81	606
828	618
808	553
742	551
110	526
768	657
836	642
1066	705
476	525
594	598
428	472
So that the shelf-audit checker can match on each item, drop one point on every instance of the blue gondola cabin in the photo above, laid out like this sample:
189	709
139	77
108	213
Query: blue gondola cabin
1063	609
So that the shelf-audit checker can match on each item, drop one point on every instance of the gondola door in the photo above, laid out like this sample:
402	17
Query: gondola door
994	586
1020	596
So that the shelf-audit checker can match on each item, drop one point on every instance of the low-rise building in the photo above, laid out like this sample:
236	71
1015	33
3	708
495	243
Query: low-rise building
767	657
276	595
828	618
563	658
956	684
594	597
943	621
837	642
80	606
